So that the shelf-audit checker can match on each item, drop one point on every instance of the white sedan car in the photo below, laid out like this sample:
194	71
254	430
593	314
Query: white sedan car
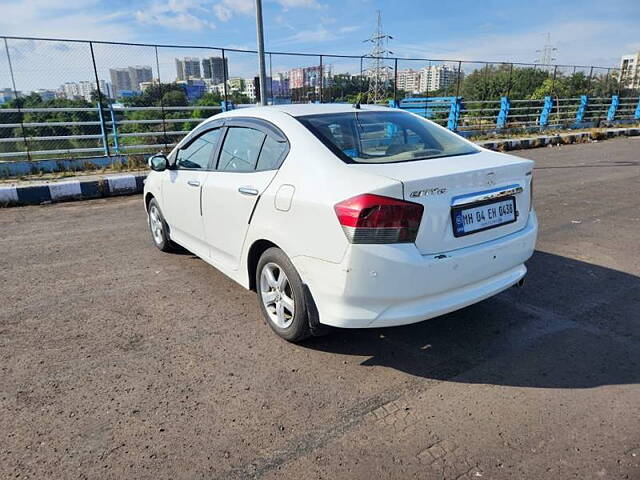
345	216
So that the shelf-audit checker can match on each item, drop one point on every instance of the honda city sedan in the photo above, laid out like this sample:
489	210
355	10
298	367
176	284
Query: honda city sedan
345	216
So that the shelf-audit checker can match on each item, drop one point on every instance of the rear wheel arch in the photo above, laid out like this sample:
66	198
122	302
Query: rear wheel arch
282	296
253	257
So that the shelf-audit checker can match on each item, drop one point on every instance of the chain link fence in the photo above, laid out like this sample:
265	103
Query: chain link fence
74	99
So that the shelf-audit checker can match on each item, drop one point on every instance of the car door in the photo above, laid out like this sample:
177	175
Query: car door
248	160
182	188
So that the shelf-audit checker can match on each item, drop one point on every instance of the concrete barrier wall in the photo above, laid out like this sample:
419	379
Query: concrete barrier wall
67	190
506	144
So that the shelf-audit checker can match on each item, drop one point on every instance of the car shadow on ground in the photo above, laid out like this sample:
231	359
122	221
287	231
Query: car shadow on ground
573	325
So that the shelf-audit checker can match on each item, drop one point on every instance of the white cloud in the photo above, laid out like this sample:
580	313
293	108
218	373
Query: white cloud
299	3
175	14
222	12
349	28
320	34
54	18
579	42
282	21
240	46
225	9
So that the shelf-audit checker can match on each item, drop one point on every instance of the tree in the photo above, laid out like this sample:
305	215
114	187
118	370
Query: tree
207	100
210	99
237	97
492	82
344	88
563	87
175	98
153	94
35	101
95	98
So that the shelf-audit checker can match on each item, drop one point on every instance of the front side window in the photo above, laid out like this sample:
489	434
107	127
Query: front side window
384	137
198	153
240	149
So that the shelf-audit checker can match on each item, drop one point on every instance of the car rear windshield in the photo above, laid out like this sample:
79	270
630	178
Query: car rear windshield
384	137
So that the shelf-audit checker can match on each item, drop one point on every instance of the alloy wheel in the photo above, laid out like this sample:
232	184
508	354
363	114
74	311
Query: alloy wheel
155	223
276	294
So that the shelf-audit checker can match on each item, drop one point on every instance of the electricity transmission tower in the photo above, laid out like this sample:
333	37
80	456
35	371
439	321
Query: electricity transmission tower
378	72
545	55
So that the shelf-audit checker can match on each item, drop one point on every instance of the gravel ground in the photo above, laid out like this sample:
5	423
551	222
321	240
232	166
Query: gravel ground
119	361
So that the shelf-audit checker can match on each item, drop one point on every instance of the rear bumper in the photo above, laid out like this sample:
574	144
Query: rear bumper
388	285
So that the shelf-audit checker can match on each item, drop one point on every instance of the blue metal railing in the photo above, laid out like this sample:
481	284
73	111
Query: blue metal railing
472	117
110	131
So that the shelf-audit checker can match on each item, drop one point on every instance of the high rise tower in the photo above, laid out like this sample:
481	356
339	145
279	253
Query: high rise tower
187	68
215	68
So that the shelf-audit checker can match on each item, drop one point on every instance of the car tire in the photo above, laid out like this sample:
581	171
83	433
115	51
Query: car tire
159	228
282	299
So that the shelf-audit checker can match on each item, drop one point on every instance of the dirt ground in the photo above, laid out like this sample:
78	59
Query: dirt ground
119	361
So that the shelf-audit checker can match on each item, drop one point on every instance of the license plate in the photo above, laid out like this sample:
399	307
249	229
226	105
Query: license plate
483	216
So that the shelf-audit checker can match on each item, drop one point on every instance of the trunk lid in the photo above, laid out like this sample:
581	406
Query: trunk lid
440	183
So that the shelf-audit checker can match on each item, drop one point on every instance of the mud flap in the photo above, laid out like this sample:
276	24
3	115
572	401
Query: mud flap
317	329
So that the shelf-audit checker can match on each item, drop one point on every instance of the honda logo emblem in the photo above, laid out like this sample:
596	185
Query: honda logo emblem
491	178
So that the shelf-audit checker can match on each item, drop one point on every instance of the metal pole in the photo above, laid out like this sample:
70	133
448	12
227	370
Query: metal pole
271	78
395	81
426	99
114	130
361	77
103	130
102	123
15	93
260	33
458	79
589	83
164	124
555	97
224	77
321	82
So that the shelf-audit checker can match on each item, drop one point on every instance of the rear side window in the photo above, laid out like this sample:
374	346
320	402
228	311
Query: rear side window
240	149
272	154
384	137
198	153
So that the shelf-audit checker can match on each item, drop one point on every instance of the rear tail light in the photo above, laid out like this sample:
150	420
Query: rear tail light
372	218
531	195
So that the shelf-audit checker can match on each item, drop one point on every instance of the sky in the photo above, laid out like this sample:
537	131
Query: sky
584	32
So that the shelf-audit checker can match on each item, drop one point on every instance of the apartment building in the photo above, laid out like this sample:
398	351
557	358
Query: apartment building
630	71
409	80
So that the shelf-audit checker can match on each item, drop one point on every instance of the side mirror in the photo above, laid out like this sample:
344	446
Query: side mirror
158	162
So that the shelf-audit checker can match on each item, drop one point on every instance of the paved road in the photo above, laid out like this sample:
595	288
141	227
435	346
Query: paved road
118	361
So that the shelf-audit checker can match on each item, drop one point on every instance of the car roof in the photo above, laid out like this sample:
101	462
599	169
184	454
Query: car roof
301	109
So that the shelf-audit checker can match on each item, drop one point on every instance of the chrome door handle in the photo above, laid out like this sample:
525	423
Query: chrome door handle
193	183
248	191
